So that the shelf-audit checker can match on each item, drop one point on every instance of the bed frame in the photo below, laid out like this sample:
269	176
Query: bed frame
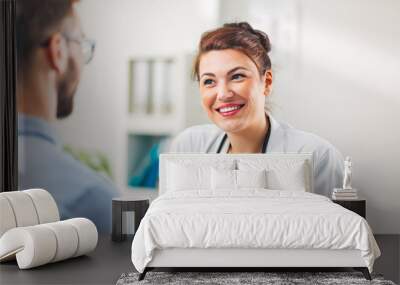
235	259
250	259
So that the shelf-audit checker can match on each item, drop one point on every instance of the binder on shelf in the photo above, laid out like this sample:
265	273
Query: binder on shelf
150	85
140	86
160	84
167	105
130	88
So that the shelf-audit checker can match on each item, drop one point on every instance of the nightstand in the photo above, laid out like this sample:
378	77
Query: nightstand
358	206
127	213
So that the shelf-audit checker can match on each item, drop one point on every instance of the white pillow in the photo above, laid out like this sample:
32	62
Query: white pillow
293	179
223	179
185	174
184	177
251	178
227	179
281	174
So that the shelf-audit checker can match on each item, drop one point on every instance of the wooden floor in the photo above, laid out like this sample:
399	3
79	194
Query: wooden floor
389	262
110	260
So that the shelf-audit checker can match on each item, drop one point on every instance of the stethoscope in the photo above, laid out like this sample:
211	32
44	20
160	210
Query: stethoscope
264	146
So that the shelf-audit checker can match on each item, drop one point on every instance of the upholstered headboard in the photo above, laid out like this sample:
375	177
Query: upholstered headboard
270	161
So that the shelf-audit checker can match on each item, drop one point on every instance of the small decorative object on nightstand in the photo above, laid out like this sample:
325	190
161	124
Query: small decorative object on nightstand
358	206
347	192
126	216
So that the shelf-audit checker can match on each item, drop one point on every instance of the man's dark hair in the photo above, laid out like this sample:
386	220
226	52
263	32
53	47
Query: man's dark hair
36	21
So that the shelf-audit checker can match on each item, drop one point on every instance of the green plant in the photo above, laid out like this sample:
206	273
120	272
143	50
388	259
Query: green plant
95	160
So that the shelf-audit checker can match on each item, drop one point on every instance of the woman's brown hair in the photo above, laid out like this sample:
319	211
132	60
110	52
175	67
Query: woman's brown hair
239	36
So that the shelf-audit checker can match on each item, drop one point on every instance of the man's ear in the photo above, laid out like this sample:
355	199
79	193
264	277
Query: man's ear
267	82
57	53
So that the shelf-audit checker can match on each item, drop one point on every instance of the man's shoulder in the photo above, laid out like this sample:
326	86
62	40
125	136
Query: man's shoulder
86	177
52	167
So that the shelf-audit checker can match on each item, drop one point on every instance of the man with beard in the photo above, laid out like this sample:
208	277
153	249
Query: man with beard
51	52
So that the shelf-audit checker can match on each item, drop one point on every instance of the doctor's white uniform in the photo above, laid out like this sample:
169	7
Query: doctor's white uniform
328	162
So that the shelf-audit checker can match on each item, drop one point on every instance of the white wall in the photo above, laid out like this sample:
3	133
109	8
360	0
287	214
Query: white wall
342	82
123	29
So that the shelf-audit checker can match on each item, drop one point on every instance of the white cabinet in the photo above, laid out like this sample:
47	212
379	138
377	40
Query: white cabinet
163	100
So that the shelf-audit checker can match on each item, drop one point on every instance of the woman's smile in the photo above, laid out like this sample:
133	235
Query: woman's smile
229	110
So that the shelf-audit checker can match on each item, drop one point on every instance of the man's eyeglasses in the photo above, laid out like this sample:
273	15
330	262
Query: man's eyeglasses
87	45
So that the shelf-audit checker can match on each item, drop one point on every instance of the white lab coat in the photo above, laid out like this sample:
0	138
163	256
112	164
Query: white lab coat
328	162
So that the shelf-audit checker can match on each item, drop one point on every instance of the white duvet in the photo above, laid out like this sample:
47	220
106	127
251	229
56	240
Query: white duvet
253	218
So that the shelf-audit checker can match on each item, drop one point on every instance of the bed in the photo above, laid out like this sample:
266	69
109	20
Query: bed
246	211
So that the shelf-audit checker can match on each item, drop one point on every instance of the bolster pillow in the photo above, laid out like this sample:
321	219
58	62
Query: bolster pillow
40	244
26	208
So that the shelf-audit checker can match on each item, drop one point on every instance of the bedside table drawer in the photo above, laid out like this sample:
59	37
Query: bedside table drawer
357	206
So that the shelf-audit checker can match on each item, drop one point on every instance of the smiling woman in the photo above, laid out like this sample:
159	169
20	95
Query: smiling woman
234	72
235	78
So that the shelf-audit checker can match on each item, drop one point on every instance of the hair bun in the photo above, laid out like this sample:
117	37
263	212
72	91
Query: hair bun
262	37
240	25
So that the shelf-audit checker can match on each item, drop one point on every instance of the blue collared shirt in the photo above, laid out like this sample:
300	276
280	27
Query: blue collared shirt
77	190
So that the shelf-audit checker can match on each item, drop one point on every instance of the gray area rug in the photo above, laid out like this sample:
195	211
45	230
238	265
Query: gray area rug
228	278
